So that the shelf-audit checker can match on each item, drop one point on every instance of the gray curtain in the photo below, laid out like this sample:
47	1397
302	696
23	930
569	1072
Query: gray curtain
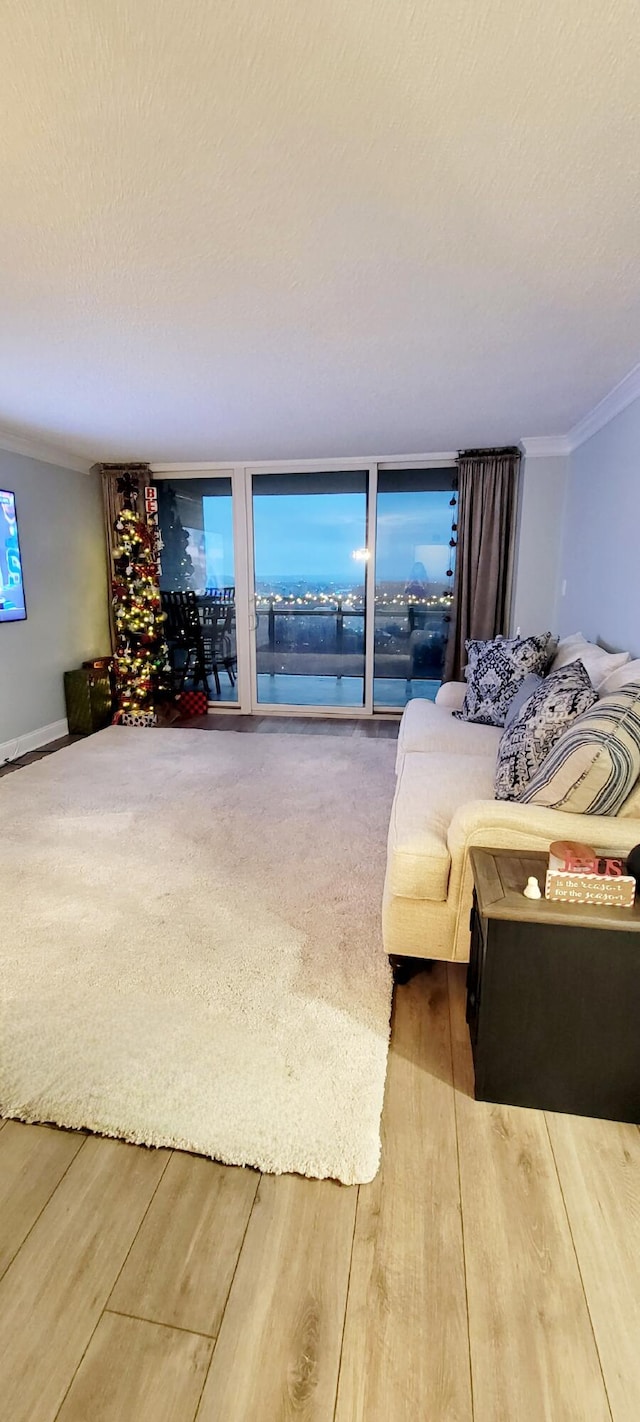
113	502
487	497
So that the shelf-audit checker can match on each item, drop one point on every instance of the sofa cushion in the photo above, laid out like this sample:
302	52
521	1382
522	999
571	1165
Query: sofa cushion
599	663
427	727
430	789
526	741
496	670
622	676
451	694
594	766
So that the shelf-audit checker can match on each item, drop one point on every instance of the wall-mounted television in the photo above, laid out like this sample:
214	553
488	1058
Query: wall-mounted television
12	603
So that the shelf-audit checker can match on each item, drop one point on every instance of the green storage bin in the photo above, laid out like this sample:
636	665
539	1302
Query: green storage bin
89	701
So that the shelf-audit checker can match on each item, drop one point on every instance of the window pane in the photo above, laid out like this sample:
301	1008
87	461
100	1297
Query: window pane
309	537
196	524
197	557
414	565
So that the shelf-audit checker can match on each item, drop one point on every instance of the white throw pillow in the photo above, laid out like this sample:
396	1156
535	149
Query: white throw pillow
600	664
567	649
617	679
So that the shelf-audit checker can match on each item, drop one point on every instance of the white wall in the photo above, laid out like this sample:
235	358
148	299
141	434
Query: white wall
539	544
63	554
600	557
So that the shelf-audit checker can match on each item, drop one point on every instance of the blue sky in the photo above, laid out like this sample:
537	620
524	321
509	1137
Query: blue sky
314	536
414	526
311	535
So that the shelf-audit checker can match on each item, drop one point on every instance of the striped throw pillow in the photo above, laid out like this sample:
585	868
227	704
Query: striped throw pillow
595	764
556	703
631	808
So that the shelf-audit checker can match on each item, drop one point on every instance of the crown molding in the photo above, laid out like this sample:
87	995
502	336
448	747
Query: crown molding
624	393
545	446
41	450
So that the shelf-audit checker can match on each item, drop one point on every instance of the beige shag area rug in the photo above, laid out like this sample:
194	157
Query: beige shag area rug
190	944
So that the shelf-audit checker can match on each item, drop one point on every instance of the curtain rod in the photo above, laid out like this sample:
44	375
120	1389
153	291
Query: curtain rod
506	449
115	468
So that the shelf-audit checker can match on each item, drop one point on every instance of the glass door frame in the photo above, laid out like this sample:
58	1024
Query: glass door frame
241	476
235	474
320	466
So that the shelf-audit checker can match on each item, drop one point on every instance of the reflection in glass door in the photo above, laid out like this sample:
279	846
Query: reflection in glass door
309	537
198	584
415	552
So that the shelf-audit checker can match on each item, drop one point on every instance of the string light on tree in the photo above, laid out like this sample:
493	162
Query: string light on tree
141	659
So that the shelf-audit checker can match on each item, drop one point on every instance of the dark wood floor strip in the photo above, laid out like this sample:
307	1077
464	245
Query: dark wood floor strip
344	1321
138	1318
373	728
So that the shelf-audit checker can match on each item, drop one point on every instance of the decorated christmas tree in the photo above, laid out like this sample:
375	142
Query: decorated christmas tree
177	567
141	660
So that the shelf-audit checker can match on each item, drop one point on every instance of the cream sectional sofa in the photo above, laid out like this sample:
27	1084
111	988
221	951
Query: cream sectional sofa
443	804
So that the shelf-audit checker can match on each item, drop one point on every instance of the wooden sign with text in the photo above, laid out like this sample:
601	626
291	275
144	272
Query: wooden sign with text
577	874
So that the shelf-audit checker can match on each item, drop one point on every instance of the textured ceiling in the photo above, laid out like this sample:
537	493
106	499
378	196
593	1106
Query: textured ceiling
272	228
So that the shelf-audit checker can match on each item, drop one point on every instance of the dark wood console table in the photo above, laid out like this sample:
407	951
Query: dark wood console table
553	995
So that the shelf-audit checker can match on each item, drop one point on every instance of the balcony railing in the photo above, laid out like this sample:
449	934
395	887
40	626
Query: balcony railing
307	638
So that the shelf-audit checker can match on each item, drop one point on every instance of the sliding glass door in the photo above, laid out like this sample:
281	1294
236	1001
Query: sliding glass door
310	556
198	584
318	590
415	552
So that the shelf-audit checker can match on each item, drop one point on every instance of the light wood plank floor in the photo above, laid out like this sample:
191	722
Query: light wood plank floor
488	1274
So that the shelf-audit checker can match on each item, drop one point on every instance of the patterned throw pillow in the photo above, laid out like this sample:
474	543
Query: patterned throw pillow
495	671
526	741
595	764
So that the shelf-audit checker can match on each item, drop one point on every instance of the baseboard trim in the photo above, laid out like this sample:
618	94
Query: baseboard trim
32	740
